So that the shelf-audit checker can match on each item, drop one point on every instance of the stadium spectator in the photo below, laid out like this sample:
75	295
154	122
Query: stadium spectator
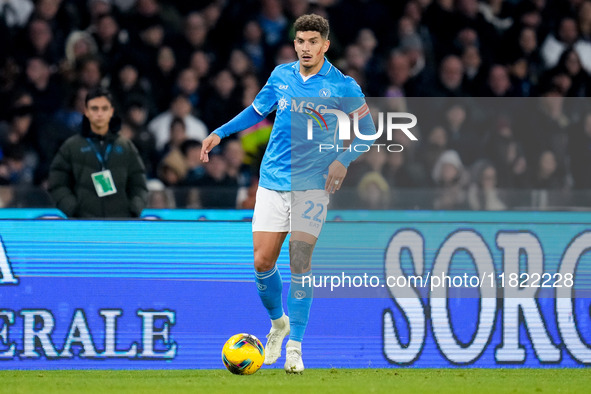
450	179
372	161
162	77
499	13
569	66
177	135
45	88
414	10
236	168
367	41
161	199
449	81
200	63
97	174
400	172
546	129
58	15
247	201
436	142
17	142
89	73
144	10
548	172
437	17
584	20
72	114
16	166
473	69
127	81
285	54
217	188
111	42
566	36
15	13
273	22
191	150
38	41
135	120
187	84
463	135
172	169
580	152
498	83
373	191
506	154
179	107
79	44
150	37
483	194
397	77
95	9
474	28
521	77
194	38
254	46
223	99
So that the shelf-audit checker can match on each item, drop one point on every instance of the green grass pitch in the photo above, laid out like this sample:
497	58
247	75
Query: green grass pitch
395	380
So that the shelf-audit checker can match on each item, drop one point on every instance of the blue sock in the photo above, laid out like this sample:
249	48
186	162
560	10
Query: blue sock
270	290
301	293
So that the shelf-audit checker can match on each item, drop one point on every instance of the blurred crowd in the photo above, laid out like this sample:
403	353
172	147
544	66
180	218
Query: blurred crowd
179	69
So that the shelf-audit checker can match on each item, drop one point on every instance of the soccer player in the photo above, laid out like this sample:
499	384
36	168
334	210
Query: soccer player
295	182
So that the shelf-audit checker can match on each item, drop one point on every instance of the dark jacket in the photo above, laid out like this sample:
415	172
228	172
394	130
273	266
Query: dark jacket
71	185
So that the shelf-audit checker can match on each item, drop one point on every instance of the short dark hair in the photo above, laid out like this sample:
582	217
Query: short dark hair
98	92
312	22
178	120
189	144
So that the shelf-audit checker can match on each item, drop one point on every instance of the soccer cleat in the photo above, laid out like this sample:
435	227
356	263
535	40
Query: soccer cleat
293	360
275	340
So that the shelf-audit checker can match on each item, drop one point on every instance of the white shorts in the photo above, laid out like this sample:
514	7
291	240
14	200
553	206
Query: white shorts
277	211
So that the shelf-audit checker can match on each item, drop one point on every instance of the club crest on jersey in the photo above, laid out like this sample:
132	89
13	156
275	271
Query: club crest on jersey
324	92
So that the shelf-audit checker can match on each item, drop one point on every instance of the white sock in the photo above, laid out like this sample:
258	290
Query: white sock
278	323
292	343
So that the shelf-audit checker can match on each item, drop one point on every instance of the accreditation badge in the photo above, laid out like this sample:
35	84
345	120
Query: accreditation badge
103	183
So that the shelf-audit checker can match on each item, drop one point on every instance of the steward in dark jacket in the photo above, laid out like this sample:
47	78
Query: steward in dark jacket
98	175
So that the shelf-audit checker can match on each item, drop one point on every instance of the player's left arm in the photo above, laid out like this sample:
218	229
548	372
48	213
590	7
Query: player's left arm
338	168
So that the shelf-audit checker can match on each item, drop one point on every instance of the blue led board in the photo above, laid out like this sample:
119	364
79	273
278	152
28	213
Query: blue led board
167	294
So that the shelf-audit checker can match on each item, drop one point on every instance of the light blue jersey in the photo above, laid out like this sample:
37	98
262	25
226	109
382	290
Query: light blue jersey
292	161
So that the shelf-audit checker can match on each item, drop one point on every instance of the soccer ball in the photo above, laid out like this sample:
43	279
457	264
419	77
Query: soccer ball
243	354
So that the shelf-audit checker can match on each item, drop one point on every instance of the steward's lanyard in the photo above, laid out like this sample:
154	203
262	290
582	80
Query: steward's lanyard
102	159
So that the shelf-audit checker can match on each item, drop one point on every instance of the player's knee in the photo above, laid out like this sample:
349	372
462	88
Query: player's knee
263	261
